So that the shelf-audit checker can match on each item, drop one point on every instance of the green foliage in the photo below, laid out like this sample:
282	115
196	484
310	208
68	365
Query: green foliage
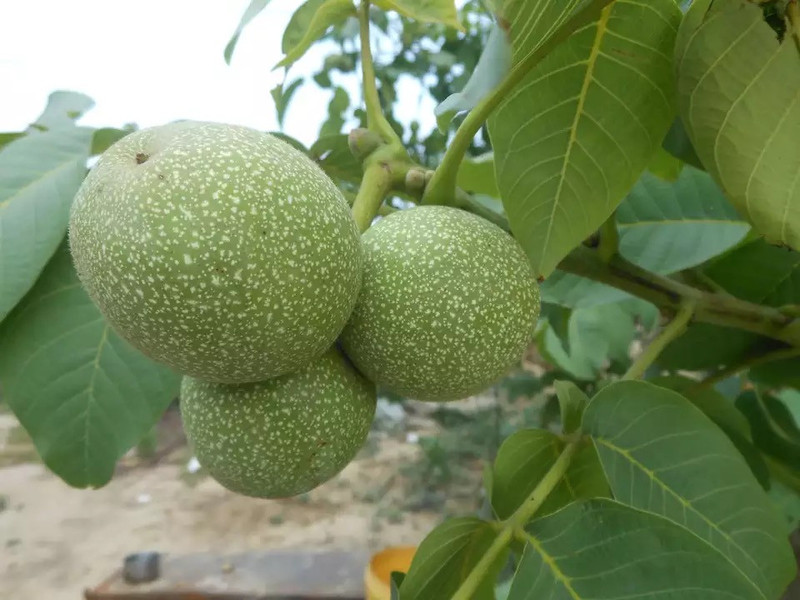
309	23
83	394
429	11
667	227
39	175
726	416
681	487
494	63
603	549
582	126
476	175
757	166
572	402
528	35
662	455
252	11
753	271
524	459
445	558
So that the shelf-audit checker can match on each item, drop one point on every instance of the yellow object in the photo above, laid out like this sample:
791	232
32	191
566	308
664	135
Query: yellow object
379	570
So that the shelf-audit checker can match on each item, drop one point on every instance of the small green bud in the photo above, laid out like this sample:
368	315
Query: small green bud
363	142
416	180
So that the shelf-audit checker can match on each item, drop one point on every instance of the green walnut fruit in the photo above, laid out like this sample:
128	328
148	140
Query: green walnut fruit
448	304
283	436
218	250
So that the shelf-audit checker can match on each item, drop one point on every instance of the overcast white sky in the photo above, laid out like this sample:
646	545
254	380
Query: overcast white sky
154	61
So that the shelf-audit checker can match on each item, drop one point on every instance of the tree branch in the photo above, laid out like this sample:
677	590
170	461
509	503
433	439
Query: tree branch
375	185
609	238
669	295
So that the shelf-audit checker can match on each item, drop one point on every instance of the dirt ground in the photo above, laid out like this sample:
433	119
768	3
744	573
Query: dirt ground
56	541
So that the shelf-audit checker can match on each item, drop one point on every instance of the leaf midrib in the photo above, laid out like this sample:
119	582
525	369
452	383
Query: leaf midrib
44	177
551	564
573	134
91	400
686	504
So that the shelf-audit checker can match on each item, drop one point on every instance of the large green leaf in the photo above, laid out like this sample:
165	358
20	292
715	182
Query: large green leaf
445	558
526	456
492	67
727	417
309	23
83	394
661	454
759	272
739	95
603	549
250	13
63	108
575	135
664	226
533	23
428	11
670	226
39	175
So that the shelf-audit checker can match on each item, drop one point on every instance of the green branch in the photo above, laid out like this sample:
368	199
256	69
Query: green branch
441	189
376	121
521	516
673	329
670	295
609	238
375	186
793	13
749	363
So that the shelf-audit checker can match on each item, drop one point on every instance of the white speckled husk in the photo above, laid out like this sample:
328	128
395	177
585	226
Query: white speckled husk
283	436
218	250
448	304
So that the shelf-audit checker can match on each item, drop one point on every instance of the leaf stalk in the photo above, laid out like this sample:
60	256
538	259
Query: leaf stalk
673	329
521	516
376	121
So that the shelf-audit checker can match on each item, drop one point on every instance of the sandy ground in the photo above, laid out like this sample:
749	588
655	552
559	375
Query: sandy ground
56	541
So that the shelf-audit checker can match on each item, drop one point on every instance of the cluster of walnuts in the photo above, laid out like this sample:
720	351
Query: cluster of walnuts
228	255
